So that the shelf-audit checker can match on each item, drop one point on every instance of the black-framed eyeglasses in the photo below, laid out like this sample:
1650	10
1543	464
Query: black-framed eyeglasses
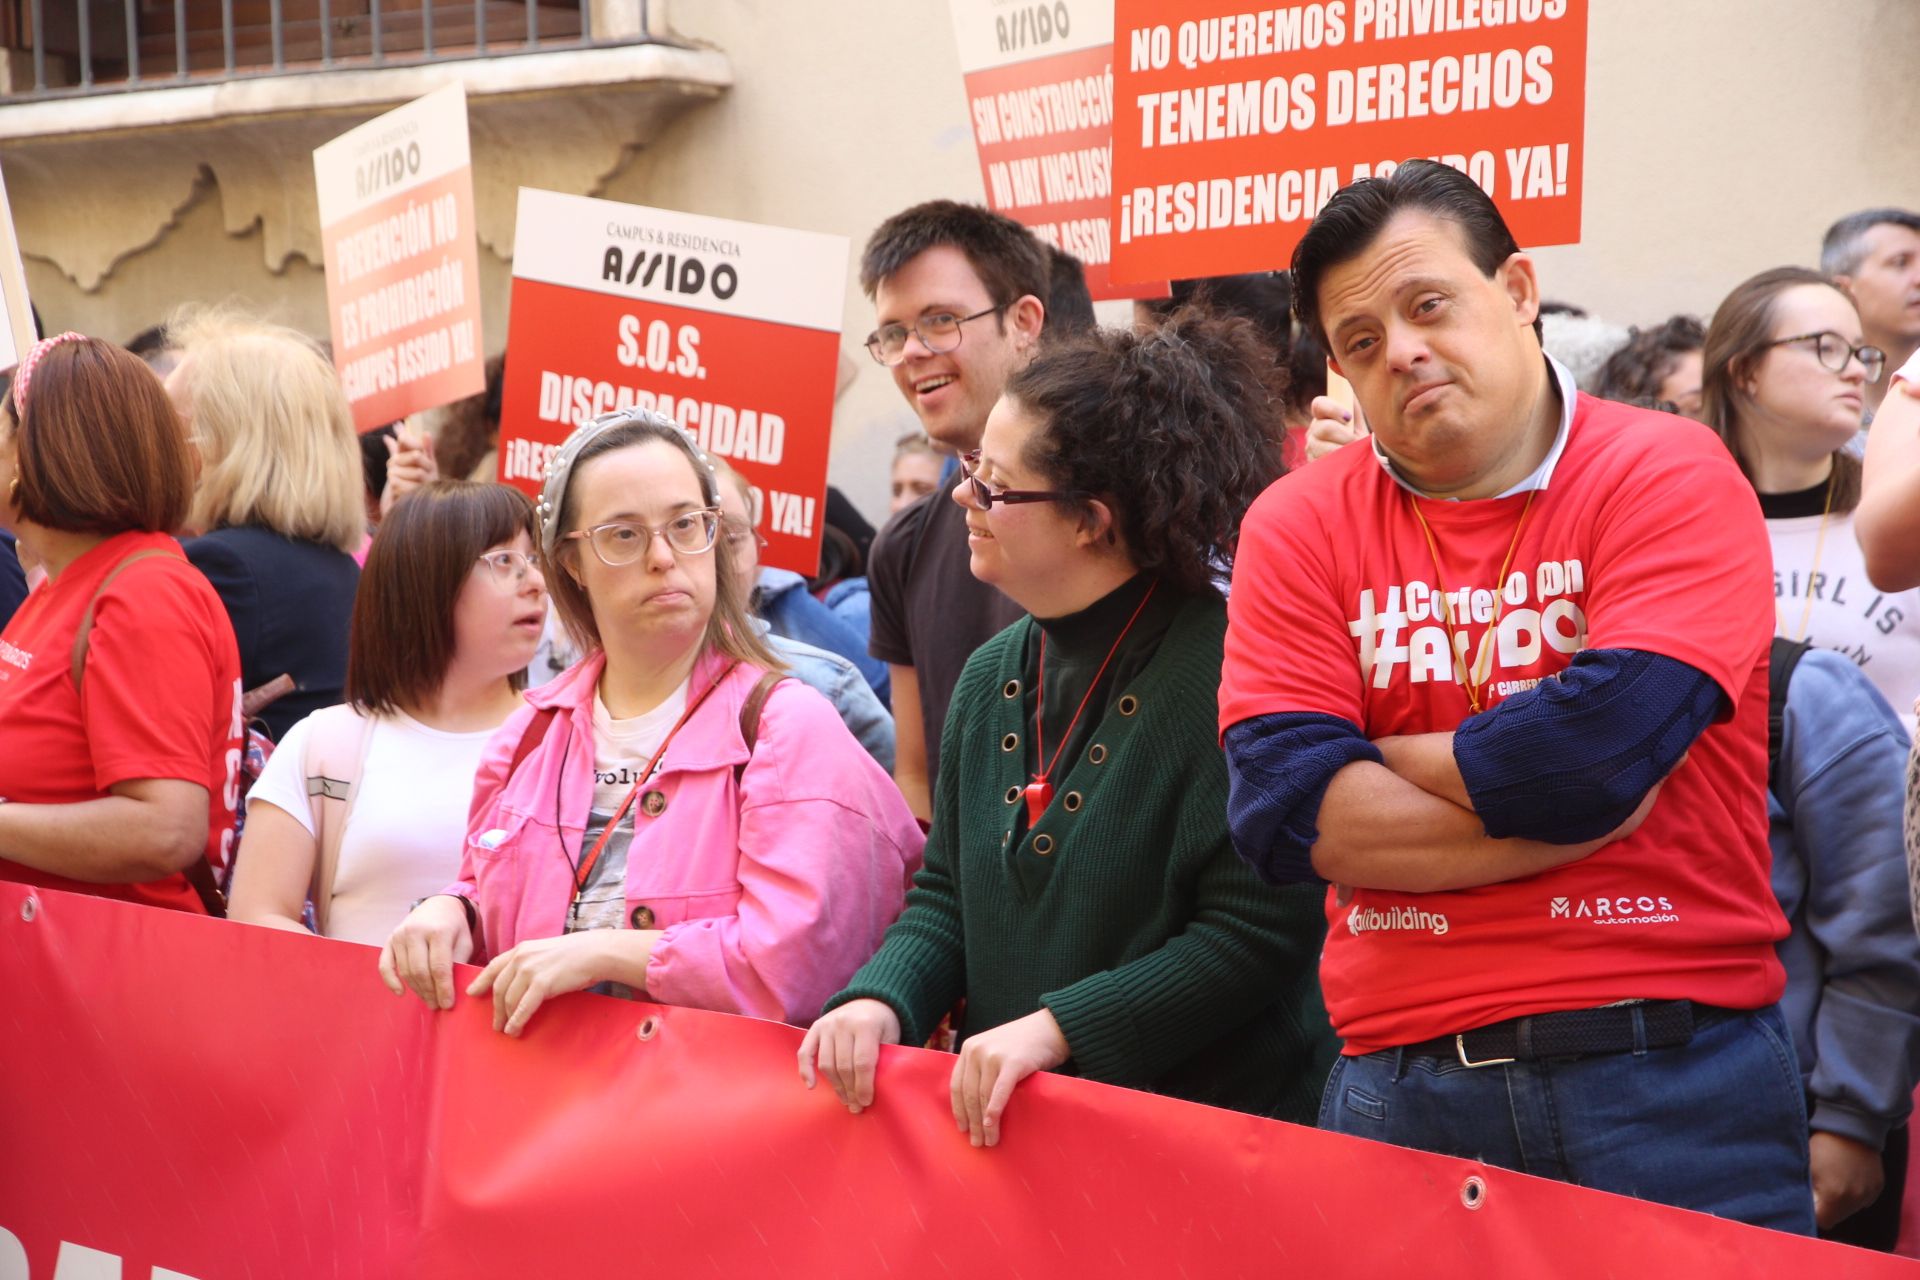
1833	352
983	498
621	542
939	332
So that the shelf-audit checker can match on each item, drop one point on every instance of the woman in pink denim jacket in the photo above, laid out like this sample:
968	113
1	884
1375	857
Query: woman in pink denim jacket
663	820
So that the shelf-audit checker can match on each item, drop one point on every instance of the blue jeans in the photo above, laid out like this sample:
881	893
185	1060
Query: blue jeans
1718	1124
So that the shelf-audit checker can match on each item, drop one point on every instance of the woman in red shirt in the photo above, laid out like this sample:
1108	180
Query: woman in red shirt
120	724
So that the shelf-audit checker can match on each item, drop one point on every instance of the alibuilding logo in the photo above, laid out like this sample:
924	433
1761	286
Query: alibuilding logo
1625	909
1396	920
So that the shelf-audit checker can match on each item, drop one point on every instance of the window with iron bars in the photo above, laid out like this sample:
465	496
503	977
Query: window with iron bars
65	47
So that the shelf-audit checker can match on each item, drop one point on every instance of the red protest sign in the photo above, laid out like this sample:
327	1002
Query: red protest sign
193	1098
731	329
402	261
1039	83
1237	124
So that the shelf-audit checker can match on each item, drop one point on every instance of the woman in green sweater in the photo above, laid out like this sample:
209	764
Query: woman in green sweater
1081	892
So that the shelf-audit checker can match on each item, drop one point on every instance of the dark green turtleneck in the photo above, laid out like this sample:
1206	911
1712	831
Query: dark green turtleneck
1125	910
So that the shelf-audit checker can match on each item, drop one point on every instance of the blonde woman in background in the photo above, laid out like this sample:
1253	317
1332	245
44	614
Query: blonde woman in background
278	509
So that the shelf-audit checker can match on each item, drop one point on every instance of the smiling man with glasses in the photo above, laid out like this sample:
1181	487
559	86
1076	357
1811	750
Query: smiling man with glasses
957	298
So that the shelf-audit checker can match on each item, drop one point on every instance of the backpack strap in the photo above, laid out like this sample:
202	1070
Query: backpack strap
530	737
336	756
1785	656
750	711
82	638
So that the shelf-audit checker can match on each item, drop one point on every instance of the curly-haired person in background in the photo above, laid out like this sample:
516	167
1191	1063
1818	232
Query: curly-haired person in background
1080	888
1659	368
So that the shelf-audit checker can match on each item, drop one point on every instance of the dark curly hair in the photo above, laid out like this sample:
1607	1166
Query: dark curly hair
1634	372
1176	429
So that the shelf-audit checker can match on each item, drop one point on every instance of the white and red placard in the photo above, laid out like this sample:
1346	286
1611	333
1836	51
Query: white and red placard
17	334
1039	79
731	329
402	259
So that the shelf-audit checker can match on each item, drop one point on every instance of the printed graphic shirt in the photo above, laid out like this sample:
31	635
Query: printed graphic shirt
1822	594
160	698
1642	535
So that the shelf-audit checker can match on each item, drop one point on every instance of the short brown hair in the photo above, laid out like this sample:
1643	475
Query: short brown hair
402	639
1009	261
100	449
1741	333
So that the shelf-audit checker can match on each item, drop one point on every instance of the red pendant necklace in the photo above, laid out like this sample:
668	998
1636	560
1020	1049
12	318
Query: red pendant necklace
1039	792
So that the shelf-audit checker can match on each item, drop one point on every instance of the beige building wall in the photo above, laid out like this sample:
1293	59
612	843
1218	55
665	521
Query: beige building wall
1722	137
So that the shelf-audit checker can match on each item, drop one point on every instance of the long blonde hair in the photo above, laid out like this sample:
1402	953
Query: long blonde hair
275	433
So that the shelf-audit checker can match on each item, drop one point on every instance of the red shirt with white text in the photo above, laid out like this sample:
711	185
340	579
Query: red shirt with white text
1646	537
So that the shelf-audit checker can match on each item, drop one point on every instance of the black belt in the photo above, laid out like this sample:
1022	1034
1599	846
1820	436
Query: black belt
1573	1033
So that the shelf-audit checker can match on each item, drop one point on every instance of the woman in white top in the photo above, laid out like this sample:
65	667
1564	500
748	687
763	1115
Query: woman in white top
1786	371
449	610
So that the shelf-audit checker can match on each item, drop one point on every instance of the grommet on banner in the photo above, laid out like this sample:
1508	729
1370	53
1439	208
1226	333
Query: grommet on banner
1473	1192
649	1027
29	908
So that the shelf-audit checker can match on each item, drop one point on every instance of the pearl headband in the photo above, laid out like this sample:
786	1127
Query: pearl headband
553	487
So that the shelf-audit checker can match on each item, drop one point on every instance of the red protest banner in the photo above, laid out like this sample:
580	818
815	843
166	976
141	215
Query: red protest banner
1039	83
729	328
1237	122
402	260
192	1098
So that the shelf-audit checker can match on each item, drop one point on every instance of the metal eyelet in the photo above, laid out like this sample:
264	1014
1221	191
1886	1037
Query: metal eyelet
1097	754
1071	802
1013	795
1043	844
1012	690
1129	705
1010	742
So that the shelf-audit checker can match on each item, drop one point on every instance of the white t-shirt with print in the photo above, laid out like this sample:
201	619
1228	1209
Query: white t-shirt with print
404	837
1822	594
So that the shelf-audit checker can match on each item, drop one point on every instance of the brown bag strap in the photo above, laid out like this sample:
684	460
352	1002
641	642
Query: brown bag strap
83	638
750	717
198	873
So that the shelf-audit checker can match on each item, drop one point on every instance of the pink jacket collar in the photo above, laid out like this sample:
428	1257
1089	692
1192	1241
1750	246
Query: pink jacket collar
710	740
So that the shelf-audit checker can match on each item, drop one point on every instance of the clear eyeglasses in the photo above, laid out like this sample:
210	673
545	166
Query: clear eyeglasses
939	332
621	542
510	568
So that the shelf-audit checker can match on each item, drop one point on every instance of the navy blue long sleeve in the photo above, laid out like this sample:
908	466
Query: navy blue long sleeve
1570	759
1564	762
1278	770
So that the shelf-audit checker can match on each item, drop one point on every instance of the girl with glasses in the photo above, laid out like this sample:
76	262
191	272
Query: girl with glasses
363	807
670	818
1785	378
1081	892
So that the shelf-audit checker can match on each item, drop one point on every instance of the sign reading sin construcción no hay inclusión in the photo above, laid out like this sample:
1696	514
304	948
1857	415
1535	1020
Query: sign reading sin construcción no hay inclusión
403	264
1039	77
731	329
1235	123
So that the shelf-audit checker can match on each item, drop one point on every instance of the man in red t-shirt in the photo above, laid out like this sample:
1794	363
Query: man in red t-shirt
1498	676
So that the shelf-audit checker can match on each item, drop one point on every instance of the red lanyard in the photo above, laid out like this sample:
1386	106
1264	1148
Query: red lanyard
1039	792
583	871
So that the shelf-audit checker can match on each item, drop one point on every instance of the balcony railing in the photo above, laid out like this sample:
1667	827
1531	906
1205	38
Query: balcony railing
80	47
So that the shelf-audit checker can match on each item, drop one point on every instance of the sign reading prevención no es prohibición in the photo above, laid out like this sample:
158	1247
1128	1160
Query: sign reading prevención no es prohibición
402	261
